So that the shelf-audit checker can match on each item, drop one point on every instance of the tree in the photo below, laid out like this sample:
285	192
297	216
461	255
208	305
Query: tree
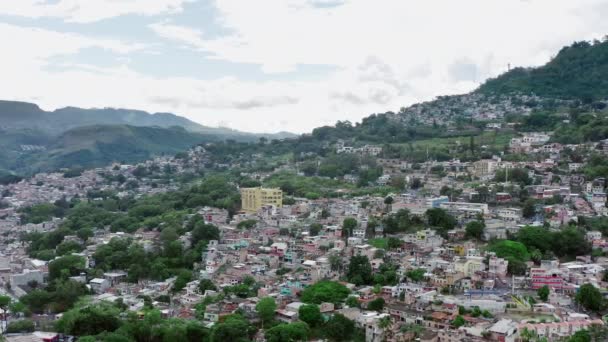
90	320
22	326
234	328
376	304
66	266
325	291
535	238
458	321
527	335
510	249
68	247
569	242
386	323
314	229
416	275
311	314
5	301
85	233
297	331
247	224
348	225
474	229
529	208
352	302
183	278
440	219
543	293
393	243
359	270
580	336
204	232
339	328
590	298
266	308
335	262
206	284
416	183
388	201
513	175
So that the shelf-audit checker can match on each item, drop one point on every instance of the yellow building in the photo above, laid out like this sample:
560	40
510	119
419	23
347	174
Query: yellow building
252	199
468	266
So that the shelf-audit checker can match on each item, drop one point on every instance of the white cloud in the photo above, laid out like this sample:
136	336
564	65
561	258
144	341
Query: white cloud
182	34
87	11
385	54
36	45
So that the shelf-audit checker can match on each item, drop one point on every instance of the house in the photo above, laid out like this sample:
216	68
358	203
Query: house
503	330
37	336
99	285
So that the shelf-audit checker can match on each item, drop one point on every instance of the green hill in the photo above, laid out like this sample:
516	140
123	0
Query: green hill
32	139
99	145
578	71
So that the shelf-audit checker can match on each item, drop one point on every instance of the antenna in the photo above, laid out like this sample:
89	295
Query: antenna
508	66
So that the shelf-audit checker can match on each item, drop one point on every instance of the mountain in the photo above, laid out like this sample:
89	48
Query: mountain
23	115
576	77
32	139
102	144
97	145
578	71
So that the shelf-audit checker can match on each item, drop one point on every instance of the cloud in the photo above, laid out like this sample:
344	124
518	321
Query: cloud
33	44
463	70
347	97
261	102
189	36
224	103
377	55
88	11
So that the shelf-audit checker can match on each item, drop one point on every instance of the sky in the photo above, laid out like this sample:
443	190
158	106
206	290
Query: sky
275	65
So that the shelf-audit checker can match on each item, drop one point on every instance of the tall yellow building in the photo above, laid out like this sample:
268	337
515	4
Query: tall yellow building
252	199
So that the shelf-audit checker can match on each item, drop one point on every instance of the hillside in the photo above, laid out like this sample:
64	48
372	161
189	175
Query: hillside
578	71
98	145
576	77
23	115
32	139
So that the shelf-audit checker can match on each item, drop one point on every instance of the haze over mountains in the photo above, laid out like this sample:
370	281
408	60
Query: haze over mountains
24	115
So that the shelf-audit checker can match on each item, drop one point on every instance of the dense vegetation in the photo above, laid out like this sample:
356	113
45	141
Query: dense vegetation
578	71
539	243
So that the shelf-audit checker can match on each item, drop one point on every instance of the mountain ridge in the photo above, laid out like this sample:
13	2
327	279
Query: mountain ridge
22	115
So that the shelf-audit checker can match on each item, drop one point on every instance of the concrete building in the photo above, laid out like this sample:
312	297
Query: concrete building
253	199
26	277
99	285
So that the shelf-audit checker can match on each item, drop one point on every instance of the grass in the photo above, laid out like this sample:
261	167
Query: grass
491	139
379	243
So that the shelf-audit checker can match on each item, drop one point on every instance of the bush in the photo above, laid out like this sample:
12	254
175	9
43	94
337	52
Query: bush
21	326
